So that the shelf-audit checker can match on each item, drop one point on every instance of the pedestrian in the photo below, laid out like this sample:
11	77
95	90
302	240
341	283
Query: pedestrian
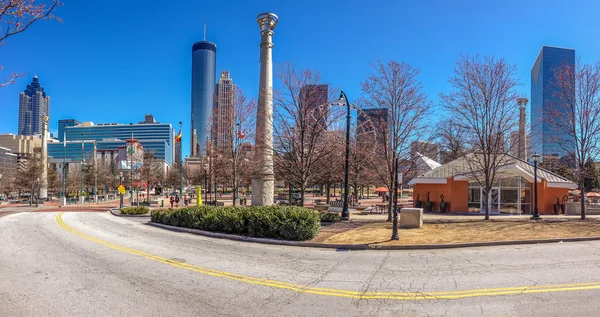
171	200
176	201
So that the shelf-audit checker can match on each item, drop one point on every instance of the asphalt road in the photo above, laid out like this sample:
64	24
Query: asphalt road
95	264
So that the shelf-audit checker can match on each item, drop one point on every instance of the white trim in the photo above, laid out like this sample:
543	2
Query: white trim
561	185
428	180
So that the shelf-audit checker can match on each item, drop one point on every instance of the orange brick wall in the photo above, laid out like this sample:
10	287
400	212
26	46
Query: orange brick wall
455	193
547	197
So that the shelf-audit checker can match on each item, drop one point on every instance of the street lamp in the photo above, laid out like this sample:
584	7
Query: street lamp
395	203
131	167
120	194
82	164
64	167
536	213
180	170
345	212
205	182
37	195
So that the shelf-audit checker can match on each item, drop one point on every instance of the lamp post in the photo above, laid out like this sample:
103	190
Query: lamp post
82	164
37	195
64	169
95	174
205	182
395	201
131	167
234	154
120	194
536	213
180	171
345	212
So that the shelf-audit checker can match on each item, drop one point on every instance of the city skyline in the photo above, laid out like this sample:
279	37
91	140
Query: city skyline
160	79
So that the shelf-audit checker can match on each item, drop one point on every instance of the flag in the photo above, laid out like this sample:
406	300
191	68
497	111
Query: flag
241	135
178	137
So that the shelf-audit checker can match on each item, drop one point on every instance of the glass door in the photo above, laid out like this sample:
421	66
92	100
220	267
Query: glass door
495	200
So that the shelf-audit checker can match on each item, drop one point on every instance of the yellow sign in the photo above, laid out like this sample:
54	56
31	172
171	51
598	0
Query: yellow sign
121	189
198	196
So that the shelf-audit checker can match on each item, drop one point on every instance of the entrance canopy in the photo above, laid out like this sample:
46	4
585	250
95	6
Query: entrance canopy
466	169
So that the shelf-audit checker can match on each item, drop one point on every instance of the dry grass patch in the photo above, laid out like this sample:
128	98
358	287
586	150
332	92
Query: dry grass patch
475	231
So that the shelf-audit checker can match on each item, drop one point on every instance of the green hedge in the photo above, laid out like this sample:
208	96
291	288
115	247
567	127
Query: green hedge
327	216
282	222
135	210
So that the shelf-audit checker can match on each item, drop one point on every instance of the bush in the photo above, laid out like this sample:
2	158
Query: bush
330	216
288	223
135	210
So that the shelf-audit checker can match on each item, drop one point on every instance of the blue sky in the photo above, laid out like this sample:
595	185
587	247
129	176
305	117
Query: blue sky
114	61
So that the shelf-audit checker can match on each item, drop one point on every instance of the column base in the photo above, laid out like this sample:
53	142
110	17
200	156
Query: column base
262	191
63	201
81	200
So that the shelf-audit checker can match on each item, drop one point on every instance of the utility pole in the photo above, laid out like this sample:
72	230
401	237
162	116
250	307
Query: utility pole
180	170
131	167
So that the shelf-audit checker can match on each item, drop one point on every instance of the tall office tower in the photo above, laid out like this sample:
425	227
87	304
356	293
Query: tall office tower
62	124
204	69
373	123
33	104
223	113
545	140
313	100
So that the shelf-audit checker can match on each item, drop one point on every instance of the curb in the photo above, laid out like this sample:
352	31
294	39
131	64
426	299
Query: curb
259	240
113	212
373	247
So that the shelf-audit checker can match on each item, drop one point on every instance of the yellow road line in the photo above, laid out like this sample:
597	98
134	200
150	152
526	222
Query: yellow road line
339	292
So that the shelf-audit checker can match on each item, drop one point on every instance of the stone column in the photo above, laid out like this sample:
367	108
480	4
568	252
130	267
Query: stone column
43	193
263	177
522	148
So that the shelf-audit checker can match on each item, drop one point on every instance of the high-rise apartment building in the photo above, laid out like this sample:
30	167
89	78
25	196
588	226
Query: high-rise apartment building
314	103
33	104
204	69
223	113
545	140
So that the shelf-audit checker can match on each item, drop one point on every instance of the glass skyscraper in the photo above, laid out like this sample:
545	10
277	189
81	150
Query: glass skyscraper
204	69
157	138
545	140
33	104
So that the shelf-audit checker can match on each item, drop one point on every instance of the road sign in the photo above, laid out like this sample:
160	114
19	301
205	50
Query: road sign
121	189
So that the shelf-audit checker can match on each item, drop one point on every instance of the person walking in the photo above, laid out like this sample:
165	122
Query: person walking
171	200
176	201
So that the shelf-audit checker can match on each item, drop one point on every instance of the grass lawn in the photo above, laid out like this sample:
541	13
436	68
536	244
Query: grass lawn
474	231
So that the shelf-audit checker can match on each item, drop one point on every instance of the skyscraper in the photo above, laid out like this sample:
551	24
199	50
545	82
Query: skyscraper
33	104
223	113
544	139
204	69
313	100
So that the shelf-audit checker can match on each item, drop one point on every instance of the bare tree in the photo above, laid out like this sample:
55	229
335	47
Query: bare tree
16	16
394	86
451	137
576	116
151	172
301	120
483	104
245	120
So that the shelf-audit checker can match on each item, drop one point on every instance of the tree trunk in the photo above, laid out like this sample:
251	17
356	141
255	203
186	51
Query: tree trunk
488	207
235	185
302	192
291	194
327	193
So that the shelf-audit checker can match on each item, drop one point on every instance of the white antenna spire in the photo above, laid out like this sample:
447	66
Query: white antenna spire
205	29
